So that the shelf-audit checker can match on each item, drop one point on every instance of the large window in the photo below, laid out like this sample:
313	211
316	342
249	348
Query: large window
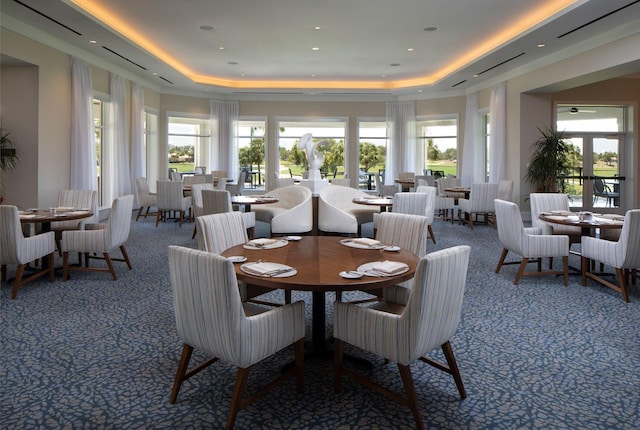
292	161
188	142
251	149
99	121
439	144
372	149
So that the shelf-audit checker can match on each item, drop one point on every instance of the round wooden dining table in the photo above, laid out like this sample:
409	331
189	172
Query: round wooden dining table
382	202
247	201
587	226
318	261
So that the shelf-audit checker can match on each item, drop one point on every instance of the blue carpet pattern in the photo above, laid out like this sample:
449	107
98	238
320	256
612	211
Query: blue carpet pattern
94	353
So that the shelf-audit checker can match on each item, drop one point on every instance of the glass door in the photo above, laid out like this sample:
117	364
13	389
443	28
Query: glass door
594	182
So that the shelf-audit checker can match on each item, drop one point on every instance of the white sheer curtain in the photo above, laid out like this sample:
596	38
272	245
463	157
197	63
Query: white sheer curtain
401	155
83	174
138	167
224	153
497	147
117	165
471	170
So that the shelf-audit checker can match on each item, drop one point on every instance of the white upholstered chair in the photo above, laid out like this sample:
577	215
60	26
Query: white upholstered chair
171	198
78	199
384	190
404	334
193	179
146	199
623	255
449	182
236	189
528	243
211	318
547	202
196	201
505	192
100	239
292	213
480	202
344	182
338	214
219	201
431	207
284	182
19	250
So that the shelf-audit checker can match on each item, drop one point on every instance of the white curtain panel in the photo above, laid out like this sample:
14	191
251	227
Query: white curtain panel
401	154
83	174
497	147
117	166
138	167
471	170
224	153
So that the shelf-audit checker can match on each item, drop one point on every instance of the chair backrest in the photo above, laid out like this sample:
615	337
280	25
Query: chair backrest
175	176
142	188
217	232
193	179
509	225
505	190
200	170
425	180
206	302
222	184
405	176
410	203
219	173
447	182
546	202
344	182
404	230
284	182
482	197
629	241
431	201
170	195
196	196
79	199
598	186
119	223
291	196
432	314
216	201
10	234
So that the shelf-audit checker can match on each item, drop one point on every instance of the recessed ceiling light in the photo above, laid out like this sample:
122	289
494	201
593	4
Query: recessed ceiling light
383	76
394	64
431	29
206	27
233	63
410	49
317	27
155	73
419	91
315	48
93	42
541	45
313	76
221	48
476	75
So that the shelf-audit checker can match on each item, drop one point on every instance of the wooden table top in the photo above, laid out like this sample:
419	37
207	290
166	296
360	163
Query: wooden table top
596	221
318	261
377	201
253	200
46	215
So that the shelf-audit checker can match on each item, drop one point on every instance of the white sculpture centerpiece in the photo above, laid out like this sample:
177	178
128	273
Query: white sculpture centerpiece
314	159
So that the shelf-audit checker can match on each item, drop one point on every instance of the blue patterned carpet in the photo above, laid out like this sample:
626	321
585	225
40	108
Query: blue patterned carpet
96	353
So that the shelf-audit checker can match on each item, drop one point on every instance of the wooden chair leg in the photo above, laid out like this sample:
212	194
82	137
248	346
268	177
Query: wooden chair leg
139	212
158	216
523	265
65	266
407	380
622	280
337	365
431	235
125	256
182	370
584	266
107	258
287	296
236	398
453	368
17	283
51	267
505	251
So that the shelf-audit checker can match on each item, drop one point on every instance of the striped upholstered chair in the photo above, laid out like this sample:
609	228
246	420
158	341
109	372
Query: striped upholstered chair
78	199
220	231
19	250
547	202
529	243
623	255
146	199
100	239
407	333
431	206
480	202
196	201
171	198
219	201
211	318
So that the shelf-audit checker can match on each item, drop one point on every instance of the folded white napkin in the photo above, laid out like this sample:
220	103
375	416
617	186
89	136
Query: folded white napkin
263	241
261	268
389	267
367	242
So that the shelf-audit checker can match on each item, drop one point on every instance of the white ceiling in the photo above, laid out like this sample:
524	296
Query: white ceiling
269	42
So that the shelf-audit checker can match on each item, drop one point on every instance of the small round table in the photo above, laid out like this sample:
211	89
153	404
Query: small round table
586	226
247	201
383	202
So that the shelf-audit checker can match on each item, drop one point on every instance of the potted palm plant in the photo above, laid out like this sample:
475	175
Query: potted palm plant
549	161
8	156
